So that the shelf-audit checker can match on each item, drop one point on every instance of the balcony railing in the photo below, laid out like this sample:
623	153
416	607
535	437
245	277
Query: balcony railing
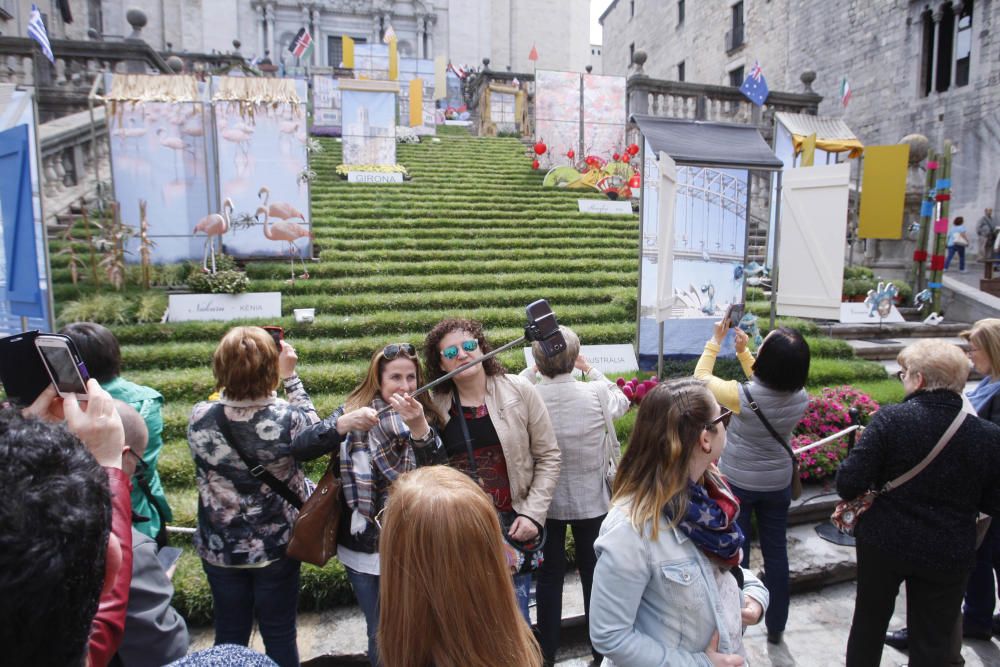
75	158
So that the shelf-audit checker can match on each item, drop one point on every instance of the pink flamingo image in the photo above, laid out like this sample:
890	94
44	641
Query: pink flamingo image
214	225
281	210
175	144
286	231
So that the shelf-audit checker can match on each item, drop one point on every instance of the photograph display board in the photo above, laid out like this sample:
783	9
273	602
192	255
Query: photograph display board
704	250
603	114
410	69
326	104
585	113
262	163
161	153
371	61
453	99
369	128
17	114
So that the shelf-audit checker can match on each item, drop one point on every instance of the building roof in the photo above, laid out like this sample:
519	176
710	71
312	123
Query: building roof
832	134
704	144
607	11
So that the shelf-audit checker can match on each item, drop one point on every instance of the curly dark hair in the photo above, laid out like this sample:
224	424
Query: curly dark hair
432	355
54	525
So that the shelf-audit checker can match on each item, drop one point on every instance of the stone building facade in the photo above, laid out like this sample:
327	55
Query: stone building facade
914	66
466	31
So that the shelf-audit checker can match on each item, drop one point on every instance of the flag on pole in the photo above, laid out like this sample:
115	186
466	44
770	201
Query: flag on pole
348	45
534	53
389	35
755	86
845	92
302	45
808	151
36	31
393	60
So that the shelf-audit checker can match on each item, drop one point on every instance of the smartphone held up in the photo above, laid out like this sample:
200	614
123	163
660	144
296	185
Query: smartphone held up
30	361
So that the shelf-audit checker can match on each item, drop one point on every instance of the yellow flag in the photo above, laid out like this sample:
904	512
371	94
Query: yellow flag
348	52
808	151
883	187
416	103
440	78
393	60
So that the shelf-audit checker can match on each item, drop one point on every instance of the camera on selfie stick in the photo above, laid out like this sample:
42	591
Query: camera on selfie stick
542	327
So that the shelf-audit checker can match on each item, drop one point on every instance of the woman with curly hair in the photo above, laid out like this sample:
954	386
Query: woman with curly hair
244	525
496	429
447	599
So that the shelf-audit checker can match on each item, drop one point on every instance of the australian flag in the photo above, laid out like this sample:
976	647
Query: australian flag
755	86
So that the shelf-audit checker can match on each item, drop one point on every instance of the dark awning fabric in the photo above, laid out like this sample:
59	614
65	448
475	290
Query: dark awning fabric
700	143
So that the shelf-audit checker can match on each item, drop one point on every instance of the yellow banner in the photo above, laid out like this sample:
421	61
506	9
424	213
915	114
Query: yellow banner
393	60
440	78
809	151
416	103
348	52
883	189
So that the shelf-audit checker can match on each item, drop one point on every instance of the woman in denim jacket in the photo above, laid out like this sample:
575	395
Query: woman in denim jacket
667	588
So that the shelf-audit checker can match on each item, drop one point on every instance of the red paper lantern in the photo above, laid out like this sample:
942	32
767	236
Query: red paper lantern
540	148
635	181
615	156
633	149
535	164
626	157
571	154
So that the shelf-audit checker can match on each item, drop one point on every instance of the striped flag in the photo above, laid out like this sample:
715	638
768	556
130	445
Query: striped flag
845	92
36	31
302	45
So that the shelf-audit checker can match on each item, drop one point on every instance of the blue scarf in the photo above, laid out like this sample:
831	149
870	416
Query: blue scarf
710	519
984	393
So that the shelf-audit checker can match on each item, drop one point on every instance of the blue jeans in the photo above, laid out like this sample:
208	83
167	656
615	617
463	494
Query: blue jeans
522	589
771	508
270	593
366	591
981	592
952	249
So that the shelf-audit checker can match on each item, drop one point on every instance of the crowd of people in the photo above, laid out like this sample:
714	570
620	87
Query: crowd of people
456	499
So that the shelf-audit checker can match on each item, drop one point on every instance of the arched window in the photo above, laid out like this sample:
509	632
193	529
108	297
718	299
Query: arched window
963	45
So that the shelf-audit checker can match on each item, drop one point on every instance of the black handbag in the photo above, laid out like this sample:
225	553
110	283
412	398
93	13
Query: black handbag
529	553
796	479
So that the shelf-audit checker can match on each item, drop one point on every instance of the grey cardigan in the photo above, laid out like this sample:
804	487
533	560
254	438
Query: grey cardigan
753	459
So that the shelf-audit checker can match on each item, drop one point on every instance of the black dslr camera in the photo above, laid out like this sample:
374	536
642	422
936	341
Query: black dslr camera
544	328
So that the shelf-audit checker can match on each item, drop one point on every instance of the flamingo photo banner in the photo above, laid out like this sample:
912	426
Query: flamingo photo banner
261	140
158	127
580	112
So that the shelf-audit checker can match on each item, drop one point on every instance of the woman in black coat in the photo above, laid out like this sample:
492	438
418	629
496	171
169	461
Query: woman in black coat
922	533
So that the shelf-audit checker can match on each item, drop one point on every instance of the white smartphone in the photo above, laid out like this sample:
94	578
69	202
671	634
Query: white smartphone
64	365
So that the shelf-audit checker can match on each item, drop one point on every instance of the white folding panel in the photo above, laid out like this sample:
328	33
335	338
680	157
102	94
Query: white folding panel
811	235
665	266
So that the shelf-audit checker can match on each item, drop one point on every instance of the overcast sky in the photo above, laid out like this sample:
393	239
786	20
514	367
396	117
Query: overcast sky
597	8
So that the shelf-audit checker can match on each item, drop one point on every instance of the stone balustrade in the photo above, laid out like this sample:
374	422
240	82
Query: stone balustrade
75	158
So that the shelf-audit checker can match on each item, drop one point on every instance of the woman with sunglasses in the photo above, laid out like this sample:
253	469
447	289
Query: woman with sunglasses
382	432
495	429
667	586
757	465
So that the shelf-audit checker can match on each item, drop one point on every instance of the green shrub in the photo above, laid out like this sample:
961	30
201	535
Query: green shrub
862	272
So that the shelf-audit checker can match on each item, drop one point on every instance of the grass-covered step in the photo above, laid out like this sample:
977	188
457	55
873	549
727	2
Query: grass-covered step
329	269
474	255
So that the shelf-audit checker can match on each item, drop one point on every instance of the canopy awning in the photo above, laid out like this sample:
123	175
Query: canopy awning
704	144
832	134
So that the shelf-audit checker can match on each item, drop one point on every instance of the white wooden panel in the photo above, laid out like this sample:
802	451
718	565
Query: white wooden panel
812	230
665	237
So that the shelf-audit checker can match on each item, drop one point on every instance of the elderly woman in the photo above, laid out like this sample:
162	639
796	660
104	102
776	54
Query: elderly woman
581	413
244	525
667	589
922	532
497	430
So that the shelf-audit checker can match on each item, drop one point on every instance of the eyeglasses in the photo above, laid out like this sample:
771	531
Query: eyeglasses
451	351
723	419
900	374
392	351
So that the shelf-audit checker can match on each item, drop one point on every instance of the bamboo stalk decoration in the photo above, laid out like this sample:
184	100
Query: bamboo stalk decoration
146	245
926	219
942	189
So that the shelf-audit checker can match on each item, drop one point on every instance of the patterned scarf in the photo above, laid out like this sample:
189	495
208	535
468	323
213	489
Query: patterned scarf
710	519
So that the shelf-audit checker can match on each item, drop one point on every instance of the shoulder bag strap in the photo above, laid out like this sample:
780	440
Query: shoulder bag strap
257	471
916	470
760	415
473	468
603	395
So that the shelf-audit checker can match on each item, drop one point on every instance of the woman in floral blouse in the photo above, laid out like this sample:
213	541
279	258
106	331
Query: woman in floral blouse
244	526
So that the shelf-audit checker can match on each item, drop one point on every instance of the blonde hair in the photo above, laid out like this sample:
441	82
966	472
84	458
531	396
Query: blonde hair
653	473
562	362
446	595
371	385
942	365
985	334
245	363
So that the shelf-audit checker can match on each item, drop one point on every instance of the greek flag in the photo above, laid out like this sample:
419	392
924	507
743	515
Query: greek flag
36	31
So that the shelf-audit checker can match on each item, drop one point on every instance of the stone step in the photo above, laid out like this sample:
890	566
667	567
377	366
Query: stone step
878	349
893	330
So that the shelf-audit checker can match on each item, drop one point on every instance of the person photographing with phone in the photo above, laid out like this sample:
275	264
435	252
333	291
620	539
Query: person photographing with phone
381	432
758	462
496	430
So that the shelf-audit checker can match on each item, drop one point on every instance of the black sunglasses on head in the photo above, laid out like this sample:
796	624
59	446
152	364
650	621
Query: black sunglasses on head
393	350
723	419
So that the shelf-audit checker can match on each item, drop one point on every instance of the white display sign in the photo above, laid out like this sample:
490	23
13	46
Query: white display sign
374	177
860	313
200	307
605	206
605	358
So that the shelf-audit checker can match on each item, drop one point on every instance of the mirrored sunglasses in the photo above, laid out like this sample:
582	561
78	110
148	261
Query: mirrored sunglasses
451	351
392	351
